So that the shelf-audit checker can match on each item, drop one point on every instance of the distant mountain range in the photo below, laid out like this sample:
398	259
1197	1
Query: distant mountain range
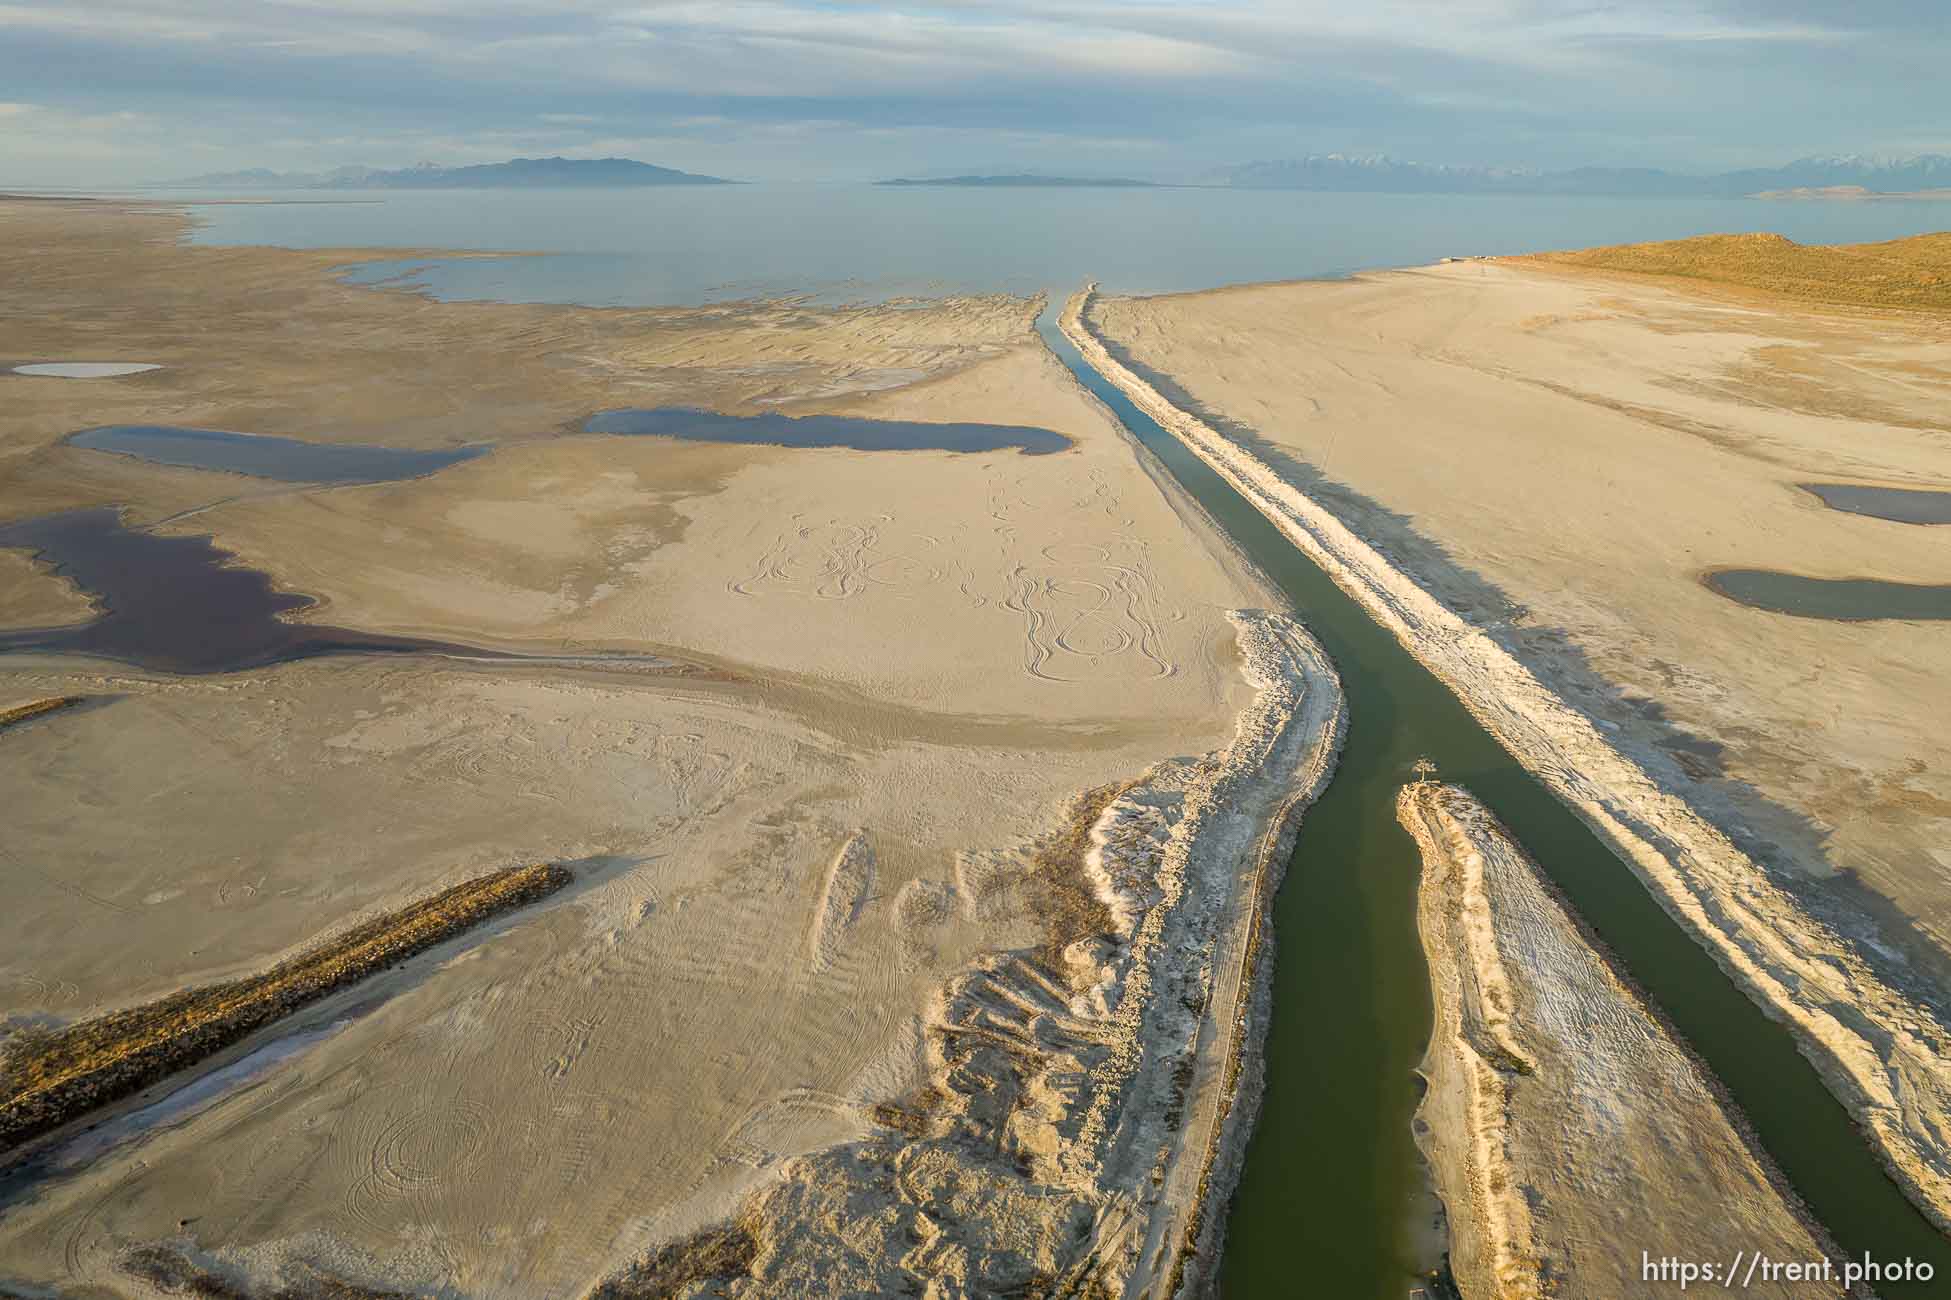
1026	180
1341	172
1809	177
517	173
263	178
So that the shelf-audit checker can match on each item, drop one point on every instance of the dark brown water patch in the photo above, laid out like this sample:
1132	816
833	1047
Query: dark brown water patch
1848	600
774	429
179	604
1899	505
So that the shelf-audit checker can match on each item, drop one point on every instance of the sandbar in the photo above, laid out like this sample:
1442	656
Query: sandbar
1570	1132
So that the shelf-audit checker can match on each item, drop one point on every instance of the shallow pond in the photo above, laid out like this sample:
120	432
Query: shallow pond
290	460
1899	505
779	430
1848	600
176	604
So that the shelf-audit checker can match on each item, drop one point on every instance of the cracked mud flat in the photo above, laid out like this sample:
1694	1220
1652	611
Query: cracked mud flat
1568	1130
1872	1031
904	670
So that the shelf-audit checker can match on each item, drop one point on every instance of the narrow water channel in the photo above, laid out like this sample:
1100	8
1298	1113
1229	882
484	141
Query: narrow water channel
1325	1204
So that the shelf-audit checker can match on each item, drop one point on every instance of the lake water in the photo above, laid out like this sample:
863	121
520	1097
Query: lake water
1326	1202
687	245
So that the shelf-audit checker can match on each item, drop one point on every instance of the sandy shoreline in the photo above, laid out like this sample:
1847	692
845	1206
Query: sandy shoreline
1568	1129
1882	1053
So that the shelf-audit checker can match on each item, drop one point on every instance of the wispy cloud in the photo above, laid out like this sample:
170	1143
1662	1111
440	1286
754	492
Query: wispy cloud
864	87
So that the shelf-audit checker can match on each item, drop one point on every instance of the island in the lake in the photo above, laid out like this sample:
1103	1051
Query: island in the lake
516	173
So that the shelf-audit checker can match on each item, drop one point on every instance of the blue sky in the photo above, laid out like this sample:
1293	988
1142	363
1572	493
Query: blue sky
97	91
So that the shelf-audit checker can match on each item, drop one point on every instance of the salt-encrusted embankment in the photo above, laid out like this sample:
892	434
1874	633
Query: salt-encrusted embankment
1229	853
1568	1130
1883	1053
1074	1130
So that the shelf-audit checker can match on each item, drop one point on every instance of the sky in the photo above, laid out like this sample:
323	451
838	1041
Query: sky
127	91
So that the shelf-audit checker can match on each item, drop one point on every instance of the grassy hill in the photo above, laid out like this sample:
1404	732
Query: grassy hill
1912	274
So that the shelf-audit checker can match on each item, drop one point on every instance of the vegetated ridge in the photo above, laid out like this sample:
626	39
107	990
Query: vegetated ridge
516	173
49	1077
1849	176
35	708
1913	273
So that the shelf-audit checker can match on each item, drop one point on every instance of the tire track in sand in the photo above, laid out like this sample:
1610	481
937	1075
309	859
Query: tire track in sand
1086	619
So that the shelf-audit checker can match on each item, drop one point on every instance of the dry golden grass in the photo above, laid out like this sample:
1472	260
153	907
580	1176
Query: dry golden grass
717	1254
911	1115
176	1274
48	1078
35	708
1063	896
1911	274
